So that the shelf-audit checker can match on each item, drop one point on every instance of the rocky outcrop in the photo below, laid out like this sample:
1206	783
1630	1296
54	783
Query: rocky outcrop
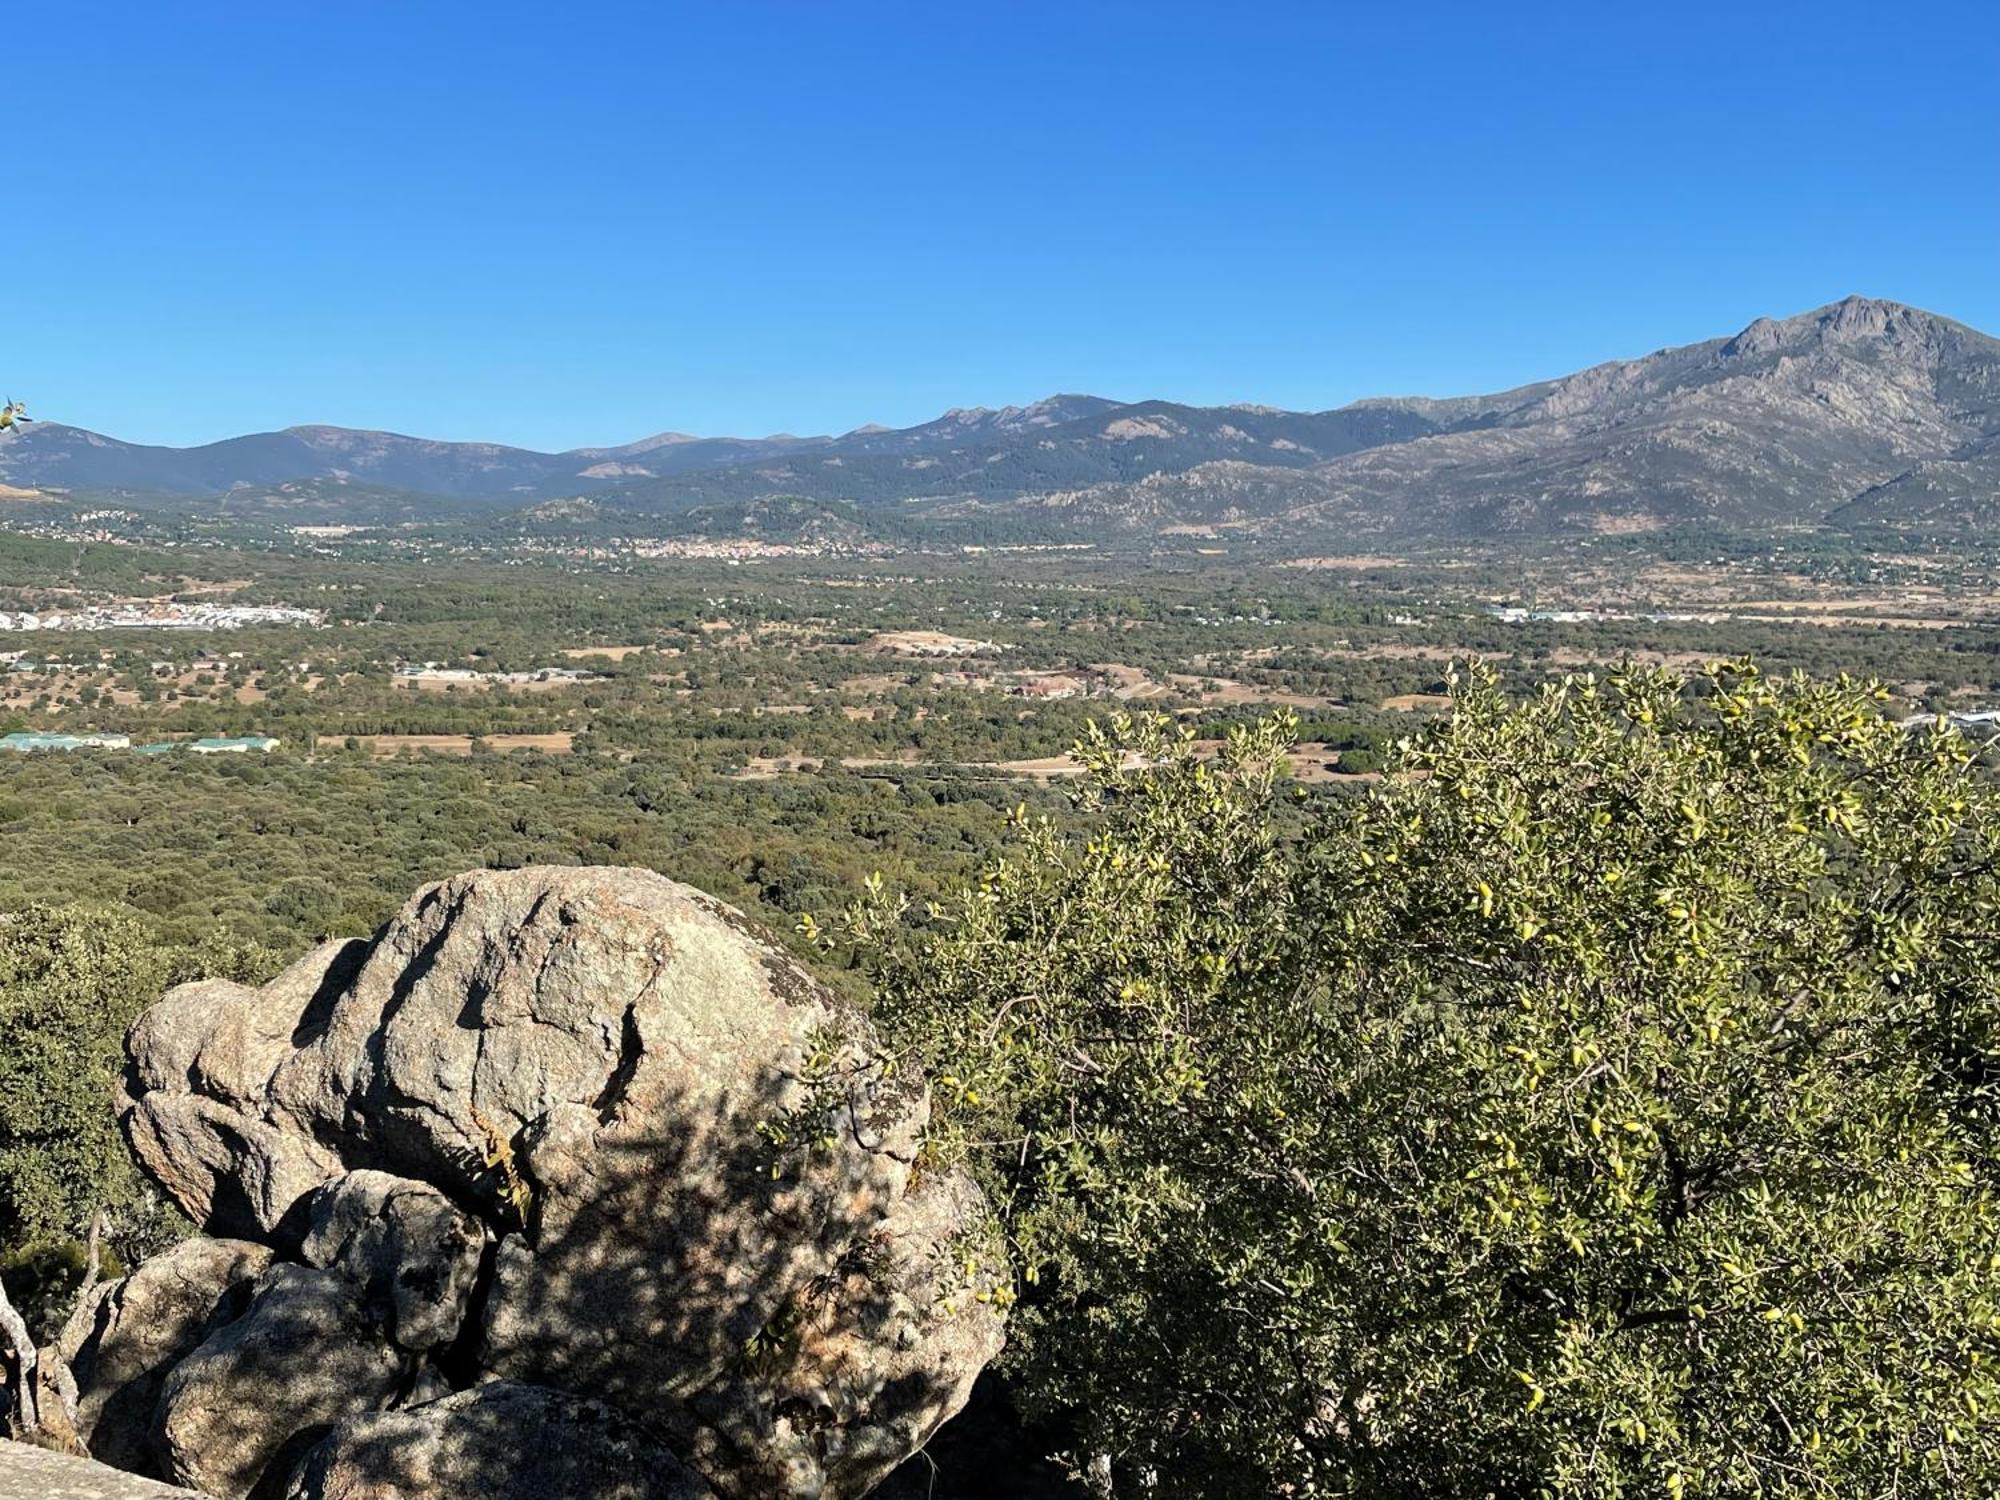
414	1256
139	1328
580	1133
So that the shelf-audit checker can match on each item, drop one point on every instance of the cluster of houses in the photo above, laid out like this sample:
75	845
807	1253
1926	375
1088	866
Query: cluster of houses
742	549
432	672
160	614
1515	614
28	741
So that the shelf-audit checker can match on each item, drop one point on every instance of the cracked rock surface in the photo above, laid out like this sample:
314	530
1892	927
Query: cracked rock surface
563	1151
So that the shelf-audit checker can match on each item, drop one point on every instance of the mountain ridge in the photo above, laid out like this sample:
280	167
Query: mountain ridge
1861	410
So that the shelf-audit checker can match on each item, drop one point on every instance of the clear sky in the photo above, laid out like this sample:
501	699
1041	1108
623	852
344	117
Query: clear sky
578	222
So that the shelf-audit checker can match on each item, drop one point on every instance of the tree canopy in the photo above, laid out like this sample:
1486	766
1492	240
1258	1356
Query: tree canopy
71	981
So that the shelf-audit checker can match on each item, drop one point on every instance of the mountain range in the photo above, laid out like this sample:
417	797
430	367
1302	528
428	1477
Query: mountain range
1863	411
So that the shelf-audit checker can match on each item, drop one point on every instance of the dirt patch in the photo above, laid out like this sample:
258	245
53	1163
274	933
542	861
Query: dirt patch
1047	768
384	746
1130	684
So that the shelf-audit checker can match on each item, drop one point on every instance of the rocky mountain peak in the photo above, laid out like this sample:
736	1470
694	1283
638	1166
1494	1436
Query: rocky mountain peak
1762	336
1850	321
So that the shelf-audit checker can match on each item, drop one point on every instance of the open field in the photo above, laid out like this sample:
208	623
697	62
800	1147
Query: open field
927	643
461	744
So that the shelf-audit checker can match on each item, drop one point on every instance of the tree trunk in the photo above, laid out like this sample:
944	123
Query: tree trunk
40	1405
79	1314
18	1359
55	1404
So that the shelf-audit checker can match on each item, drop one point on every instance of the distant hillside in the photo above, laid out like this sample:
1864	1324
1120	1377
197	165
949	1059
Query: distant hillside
51	455
1863	412
1061	442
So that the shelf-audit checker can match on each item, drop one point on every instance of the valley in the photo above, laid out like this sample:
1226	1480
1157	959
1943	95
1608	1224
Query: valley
773	726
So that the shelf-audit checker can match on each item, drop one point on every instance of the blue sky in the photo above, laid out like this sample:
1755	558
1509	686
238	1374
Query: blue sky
578	223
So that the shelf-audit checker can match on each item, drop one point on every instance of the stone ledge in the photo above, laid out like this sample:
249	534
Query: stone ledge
29	1473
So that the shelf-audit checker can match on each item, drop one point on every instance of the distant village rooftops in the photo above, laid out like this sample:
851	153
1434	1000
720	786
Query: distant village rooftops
238	745
158	614
27	741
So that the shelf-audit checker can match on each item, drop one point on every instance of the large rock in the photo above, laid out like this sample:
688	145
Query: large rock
235	1416
500	1441
866	1367
232	1172
139	1328
581	1129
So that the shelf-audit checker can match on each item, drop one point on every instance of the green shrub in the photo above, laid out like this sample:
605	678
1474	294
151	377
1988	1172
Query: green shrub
1602	1107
